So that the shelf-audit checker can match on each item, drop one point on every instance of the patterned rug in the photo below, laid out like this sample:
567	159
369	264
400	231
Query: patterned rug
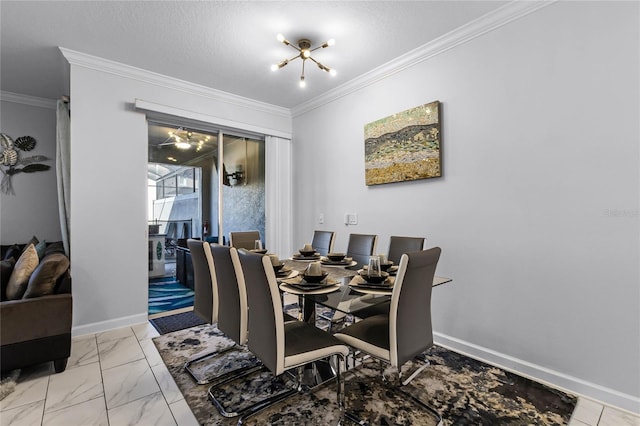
462	390
167	294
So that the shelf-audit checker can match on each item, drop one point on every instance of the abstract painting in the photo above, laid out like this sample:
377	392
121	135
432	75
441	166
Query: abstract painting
404	146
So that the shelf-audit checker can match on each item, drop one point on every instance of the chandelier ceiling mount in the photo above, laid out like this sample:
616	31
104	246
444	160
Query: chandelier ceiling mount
304	52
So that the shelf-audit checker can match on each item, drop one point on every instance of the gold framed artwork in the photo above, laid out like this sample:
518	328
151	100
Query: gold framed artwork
404	146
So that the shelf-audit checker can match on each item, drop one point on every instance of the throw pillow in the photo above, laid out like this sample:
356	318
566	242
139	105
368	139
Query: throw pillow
26	264
33	241
44	278
40	248
7	269
13	252
54	247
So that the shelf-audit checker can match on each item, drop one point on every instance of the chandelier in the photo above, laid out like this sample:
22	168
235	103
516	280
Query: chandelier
304	52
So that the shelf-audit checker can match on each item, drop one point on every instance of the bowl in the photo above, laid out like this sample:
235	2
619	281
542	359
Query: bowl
307	253
276	268
315	278
374	279
385	266
335	257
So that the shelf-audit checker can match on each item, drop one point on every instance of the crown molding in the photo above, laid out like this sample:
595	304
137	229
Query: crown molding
27	100
117	68
476	28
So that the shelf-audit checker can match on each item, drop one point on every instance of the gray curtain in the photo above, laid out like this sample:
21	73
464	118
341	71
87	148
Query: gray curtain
63	145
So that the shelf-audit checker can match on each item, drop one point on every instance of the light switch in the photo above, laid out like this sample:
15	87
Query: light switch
353	219
321	218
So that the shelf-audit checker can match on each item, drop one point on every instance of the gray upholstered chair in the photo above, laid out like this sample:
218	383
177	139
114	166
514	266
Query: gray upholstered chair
244	239
205	299
361	247
400	245
405	332
323	241
230	300
281	345
397	247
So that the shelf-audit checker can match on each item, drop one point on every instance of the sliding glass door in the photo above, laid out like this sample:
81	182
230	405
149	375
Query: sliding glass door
203	183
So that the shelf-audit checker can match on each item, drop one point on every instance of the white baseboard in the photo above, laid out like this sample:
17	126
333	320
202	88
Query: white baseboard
540	374
99	327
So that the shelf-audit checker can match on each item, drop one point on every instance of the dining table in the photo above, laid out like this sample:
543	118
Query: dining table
343	290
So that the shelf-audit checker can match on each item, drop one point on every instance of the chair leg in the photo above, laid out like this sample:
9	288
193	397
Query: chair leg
216	354
340	388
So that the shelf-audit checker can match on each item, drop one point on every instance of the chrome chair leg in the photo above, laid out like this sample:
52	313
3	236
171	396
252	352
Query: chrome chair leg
216	354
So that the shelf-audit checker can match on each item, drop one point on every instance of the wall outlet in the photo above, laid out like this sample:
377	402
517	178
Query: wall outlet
350	219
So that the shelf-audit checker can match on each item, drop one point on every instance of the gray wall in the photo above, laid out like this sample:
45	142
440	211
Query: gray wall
33	210
537	210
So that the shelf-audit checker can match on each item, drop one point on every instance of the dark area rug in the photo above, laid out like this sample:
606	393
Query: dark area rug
462	390
176	322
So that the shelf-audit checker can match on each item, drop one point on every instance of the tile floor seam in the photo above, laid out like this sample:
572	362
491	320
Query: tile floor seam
104	393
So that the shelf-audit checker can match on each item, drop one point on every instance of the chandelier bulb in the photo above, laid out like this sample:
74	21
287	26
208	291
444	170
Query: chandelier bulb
332	72
274	67
280	37
303	83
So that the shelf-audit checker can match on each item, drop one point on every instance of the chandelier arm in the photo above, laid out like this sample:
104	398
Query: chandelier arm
321	66
302	75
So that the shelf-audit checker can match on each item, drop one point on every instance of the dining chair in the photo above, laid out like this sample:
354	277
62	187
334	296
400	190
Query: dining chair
244	239
281	345
323	241
400	245
231	301
361	247
406	331
205	298
397	247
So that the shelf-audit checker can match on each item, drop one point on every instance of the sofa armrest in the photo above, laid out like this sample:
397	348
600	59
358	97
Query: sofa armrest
28	319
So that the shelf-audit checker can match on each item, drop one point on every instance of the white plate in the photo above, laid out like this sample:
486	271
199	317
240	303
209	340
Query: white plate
361	285
305	258
322	290
336	265
292	274
371	291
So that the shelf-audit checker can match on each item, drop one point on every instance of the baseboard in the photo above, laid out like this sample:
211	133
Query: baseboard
101	326
540	374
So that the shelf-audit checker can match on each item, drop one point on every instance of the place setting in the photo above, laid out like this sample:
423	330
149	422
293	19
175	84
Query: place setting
306	254
313	280
340	260
281	270
372	279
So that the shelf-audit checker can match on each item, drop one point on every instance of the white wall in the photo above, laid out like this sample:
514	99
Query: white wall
109	183
33	210
537	212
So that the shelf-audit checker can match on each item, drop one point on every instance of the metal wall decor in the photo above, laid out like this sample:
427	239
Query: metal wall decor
11	163
404	146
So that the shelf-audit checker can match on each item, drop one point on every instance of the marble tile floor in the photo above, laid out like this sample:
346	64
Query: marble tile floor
118	378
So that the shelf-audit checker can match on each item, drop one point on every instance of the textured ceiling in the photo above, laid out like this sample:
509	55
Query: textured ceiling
226	45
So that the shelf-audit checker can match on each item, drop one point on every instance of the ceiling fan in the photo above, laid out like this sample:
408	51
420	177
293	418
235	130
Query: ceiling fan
184	139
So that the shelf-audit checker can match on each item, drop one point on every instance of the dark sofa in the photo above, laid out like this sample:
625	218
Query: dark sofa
36	328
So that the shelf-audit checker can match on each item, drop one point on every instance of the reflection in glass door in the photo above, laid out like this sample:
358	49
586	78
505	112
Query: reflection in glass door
202	184
242	201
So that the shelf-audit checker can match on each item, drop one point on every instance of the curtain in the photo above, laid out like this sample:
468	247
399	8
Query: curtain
278	195
63	146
